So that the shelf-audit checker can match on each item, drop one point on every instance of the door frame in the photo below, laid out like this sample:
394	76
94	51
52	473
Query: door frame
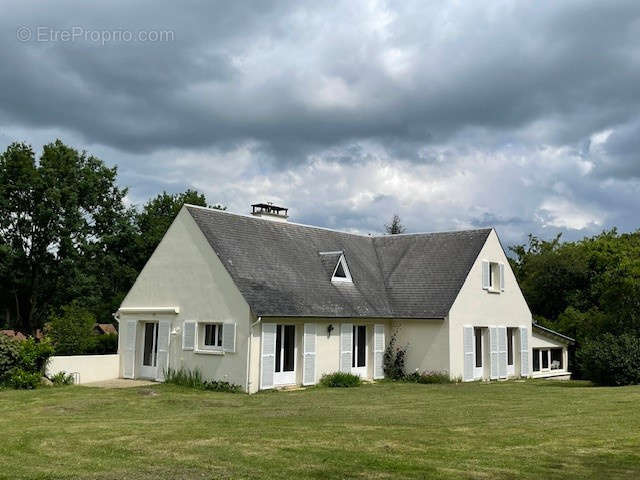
286	378
511	369
478	372
360	371
148	371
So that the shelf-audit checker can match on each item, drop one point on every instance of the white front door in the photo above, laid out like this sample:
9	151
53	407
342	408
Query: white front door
285	361
359	352
149	360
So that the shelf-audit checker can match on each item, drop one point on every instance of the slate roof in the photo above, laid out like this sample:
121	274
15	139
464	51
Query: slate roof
278	268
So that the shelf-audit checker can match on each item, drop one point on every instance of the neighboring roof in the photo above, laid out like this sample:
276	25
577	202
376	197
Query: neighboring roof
105	328
552	332
279	269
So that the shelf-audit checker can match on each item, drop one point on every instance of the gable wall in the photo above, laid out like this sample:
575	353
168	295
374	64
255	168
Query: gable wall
185	272
540	340
477	307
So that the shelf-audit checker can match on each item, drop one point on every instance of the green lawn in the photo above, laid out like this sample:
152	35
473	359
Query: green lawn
501	430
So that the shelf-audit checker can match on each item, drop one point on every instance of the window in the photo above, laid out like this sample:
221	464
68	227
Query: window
545	359
492	276
556	359
341	272
213	335
492	269
285	348
536	359
359	339
478	340
509	346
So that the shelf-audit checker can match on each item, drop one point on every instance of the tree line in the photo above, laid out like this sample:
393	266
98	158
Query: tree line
68	235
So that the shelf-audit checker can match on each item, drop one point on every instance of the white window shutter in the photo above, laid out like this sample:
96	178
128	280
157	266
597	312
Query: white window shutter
494	352
129	350
346	347
229	337
485	274
164	330
309	351
524	352
268	362
188	335
378	351
502	277
468	348
502	352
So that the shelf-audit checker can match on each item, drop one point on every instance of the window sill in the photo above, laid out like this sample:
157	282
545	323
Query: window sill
493	290
209	352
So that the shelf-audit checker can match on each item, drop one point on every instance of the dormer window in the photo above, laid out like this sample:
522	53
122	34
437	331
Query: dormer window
341	272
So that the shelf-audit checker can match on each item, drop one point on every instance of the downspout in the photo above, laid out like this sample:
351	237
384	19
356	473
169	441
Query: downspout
249	352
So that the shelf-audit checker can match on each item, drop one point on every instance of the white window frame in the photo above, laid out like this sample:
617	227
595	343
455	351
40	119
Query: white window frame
289	377
545	351
494	277
199	344
342	261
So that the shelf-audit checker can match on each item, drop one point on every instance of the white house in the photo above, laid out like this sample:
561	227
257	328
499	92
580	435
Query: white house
264	304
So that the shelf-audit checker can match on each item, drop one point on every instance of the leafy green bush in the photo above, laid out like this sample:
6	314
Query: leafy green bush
71	331
61	378
611	360
9	356
428	377
35	355
193	379
340	380
102	344
22	379
22	363
393	359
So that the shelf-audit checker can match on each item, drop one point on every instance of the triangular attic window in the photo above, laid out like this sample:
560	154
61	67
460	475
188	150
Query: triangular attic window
341	272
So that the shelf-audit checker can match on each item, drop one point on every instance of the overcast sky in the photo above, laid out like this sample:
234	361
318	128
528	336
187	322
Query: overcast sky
524	115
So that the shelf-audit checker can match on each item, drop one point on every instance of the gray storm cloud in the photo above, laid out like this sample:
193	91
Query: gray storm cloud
523	115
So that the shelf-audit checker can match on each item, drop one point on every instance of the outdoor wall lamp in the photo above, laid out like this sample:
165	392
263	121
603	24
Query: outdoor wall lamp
329	330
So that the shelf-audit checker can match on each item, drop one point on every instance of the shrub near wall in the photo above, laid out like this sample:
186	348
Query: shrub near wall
611	360
23	363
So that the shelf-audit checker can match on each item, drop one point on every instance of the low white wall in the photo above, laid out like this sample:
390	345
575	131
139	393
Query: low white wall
86	368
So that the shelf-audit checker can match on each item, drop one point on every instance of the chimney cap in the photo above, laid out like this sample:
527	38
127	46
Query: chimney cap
269	209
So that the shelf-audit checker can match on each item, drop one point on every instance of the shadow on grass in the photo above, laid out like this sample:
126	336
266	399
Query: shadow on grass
562	383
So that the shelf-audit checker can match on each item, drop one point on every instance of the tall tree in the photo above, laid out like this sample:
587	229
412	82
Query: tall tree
57	215
395	227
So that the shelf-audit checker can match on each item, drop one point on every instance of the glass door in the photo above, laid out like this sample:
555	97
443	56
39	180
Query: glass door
359	351
285	364
149	367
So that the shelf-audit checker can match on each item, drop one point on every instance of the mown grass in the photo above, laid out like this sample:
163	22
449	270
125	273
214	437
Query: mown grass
530	430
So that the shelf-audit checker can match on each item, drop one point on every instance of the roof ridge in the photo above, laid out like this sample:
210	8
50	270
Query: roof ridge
382	235
276	223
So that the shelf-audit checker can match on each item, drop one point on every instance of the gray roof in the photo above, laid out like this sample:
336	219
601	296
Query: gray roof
279	270
553	333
